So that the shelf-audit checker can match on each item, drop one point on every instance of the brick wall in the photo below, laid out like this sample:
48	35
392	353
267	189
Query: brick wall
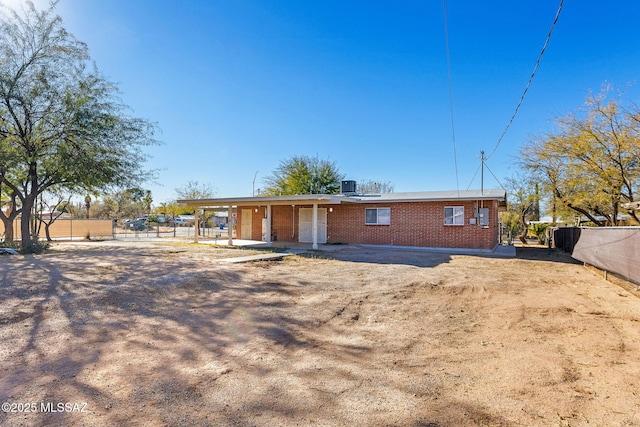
256	221
412	224
284	223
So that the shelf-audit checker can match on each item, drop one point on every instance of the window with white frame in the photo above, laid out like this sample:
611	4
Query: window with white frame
454	215
377	216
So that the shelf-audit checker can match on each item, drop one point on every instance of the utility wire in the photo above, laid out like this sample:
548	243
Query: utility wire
453	128
483	164
535	69
495	177
474	176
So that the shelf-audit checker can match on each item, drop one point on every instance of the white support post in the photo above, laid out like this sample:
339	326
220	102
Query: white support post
268	230
315	226
230	224
197	225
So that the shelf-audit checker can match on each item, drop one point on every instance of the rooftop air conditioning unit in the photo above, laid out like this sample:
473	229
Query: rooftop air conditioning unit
348	187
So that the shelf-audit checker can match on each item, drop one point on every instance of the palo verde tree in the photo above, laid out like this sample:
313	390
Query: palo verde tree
592	165
62	124
304	175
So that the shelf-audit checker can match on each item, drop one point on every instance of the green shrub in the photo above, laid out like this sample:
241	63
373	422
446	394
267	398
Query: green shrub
10	245
36	247
540	231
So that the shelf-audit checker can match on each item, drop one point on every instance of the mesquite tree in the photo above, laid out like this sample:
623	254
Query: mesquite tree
62	124
304	175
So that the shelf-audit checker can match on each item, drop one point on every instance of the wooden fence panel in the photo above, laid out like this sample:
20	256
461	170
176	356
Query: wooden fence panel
614	249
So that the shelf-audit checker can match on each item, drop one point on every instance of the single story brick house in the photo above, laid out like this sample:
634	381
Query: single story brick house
434	219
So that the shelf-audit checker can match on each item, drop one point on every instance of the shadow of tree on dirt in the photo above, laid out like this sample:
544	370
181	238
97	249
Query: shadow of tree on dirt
120	337
149	338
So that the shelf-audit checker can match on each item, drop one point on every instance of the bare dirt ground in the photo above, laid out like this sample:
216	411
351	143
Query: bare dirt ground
163	335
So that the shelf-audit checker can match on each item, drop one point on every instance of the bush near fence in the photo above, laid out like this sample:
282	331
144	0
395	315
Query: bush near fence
613	249
70	228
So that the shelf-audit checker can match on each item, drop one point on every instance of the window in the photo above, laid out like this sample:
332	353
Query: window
377	216
454	215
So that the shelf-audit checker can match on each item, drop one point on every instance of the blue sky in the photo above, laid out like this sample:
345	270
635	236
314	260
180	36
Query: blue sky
237	86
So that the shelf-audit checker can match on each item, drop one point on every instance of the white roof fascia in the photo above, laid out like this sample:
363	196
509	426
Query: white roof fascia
422	196
264	200
434	196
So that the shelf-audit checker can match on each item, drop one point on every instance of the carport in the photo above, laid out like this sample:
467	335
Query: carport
268	202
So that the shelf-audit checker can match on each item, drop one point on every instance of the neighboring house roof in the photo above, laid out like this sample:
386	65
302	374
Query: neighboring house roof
421	196
619	217
631	206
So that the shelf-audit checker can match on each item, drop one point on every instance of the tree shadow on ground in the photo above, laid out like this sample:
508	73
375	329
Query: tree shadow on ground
151	338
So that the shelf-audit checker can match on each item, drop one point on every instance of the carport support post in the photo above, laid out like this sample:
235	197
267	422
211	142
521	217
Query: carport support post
268	230
315	226
196	224
230	224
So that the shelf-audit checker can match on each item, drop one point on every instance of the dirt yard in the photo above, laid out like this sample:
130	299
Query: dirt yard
164	335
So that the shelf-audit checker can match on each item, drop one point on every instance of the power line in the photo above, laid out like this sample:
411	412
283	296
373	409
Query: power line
453	128
474	176
482	165
535	69
494	176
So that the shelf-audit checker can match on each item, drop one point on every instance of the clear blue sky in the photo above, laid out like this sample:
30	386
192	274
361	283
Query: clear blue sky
237	86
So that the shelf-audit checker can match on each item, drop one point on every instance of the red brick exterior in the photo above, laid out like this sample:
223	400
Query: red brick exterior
412	224
256	221
284	224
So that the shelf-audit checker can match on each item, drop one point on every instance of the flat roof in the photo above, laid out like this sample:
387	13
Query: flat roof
273	200
329	199
434	196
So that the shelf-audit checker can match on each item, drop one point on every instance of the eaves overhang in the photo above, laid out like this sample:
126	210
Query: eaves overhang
331	199
325	199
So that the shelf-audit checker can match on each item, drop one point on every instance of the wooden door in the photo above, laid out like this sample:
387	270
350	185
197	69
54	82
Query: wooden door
245	228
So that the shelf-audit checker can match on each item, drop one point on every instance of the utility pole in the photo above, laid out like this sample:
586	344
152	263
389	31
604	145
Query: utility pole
482	173
253	193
